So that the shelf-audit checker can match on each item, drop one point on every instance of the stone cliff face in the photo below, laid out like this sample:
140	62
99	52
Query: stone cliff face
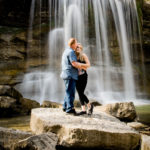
14	22
14	13
146	30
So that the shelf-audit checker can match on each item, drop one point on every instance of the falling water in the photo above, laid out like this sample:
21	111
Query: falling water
106	29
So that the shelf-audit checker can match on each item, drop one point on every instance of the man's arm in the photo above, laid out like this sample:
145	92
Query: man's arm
77	65
82	65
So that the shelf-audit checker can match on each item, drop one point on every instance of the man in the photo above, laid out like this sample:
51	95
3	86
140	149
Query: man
70	74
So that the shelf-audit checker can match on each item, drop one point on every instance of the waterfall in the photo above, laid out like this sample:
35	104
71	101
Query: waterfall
107	29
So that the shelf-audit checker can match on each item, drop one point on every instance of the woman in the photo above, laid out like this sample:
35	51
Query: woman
82	81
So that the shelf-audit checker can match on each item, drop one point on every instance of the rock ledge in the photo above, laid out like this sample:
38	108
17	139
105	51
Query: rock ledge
97	131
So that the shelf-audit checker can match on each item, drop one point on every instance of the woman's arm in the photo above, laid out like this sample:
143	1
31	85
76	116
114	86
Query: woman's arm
87	62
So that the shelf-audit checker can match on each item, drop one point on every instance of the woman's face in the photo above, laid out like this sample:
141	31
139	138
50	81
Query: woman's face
79	49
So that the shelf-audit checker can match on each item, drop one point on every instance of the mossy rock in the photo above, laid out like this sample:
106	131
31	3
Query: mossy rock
49	104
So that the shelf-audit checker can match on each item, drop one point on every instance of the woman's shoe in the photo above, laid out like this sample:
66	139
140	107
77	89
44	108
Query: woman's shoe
82	113
90	111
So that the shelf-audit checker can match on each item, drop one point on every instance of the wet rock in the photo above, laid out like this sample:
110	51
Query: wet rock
6	90
45	141
77	103
137	125
14	15
123	111
11	136
13	104
146	29
50	104
95	103
7	106
27	105
7	102
145	144
97	131
140	127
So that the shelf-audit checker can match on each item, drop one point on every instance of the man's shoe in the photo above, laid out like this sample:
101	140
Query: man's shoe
72	112
82	113
64	109
90	111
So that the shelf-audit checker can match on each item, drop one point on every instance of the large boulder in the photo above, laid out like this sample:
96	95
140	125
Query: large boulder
145	144
11	136
12	103
7	106
27	105
47	141
6	90
123	111
7	102
97	131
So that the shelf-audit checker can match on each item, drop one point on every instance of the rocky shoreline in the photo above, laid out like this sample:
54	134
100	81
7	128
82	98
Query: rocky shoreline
111	127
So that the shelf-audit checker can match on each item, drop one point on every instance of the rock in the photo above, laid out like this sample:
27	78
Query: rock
7	106
78	104
95	103
45	141
97	131
28	104
12	107
123	111
145	144
10	136
146	30
142	128
6	90
12	102
7	102
137	125
50	104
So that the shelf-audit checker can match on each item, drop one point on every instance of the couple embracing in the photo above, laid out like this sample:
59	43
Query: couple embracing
74	66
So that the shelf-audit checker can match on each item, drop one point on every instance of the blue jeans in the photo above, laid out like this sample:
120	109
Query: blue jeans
69	94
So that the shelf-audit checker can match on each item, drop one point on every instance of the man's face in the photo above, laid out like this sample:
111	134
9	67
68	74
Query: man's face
74	46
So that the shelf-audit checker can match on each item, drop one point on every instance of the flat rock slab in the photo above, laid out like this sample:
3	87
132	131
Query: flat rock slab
46	141
97	131
145	144
10	136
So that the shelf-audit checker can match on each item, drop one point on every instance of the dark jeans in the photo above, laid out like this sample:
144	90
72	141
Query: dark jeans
69	94
80	86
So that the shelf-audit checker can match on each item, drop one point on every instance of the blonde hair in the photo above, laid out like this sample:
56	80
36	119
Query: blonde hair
71	41
80	54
